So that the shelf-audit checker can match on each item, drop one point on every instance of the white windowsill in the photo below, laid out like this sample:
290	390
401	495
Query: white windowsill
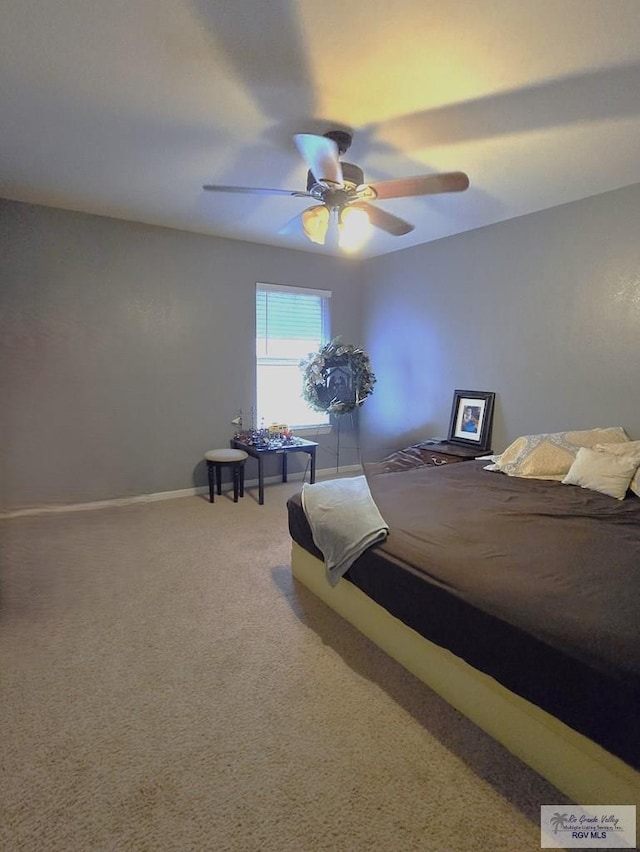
301	431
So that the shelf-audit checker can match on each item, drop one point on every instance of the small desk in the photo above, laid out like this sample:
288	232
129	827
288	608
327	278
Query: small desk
300	446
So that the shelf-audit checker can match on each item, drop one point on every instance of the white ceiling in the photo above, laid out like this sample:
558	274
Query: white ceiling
125	108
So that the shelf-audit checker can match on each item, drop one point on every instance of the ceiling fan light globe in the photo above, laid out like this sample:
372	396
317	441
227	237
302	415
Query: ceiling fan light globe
315	222
354	228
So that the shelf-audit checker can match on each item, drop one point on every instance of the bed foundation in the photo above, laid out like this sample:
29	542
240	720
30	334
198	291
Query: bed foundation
577	766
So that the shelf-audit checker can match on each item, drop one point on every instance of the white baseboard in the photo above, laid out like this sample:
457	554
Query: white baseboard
324	473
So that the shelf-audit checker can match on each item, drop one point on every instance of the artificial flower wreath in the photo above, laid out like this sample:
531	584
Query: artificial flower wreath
337	379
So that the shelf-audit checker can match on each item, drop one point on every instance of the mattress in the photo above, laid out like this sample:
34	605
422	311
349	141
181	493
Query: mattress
535	583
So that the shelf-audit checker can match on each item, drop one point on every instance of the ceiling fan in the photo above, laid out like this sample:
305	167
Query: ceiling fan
340	189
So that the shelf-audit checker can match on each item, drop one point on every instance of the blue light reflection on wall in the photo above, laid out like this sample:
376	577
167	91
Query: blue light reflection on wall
404	394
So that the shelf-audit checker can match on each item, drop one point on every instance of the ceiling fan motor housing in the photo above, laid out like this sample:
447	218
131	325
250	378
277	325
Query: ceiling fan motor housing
352	176
342	139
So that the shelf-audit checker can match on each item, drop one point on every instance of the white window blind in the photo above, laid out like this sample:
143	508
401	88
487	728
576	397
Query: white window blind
291	322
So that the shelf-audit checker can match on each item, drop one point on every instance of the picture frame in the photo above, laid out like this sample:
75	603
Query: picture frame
472	419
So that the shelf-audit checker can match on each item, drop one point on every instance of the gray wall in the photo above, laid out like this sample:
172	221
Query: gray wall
544	310
126	349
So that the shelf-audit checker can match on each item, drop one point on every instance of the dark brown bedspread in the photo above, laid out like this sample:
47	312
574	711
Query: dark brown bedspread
534	582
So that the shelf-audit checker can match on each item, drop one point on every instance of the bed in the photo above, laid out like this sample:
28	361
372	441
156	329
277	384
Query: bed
517	600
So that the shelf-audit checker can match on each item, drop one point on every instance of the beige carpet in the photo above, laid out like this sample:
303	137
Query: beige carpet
167	686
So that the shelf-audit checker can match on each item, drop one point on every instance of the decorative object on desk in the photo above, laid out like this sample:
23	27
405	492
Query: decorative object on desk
270	438
237	420
337	379
278	429
471	418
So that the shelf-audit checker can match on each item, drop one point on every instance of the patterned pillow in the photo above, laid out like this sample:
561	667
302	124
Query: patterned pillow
550	455
631	448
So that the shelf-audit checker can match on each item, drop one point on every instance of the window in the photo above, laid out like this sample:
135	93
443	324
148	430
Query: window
291	322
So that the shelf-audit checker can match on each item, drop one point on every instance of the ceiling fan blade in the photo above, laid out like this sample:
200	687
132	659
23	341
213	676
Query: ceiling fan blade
421	185
385	221
255	190
294	226
321	156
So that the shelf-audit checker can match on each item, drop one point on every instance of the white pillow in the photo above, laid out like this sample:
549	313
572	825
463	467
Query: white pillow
631	448
602	472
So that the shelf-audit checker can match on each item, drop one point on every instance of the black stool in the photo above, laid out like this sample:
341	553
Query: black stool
216	460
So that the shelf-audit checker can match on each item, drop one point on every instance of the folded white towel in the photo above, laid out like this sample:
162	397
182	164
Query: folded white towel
344	521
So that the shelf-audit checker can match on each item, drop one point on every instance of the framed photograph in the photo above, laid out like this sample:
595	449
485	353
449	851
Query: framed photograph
471	419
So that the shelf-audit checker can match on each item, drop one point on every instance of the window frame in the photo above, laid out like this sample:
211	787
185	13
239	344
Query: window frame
323	423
